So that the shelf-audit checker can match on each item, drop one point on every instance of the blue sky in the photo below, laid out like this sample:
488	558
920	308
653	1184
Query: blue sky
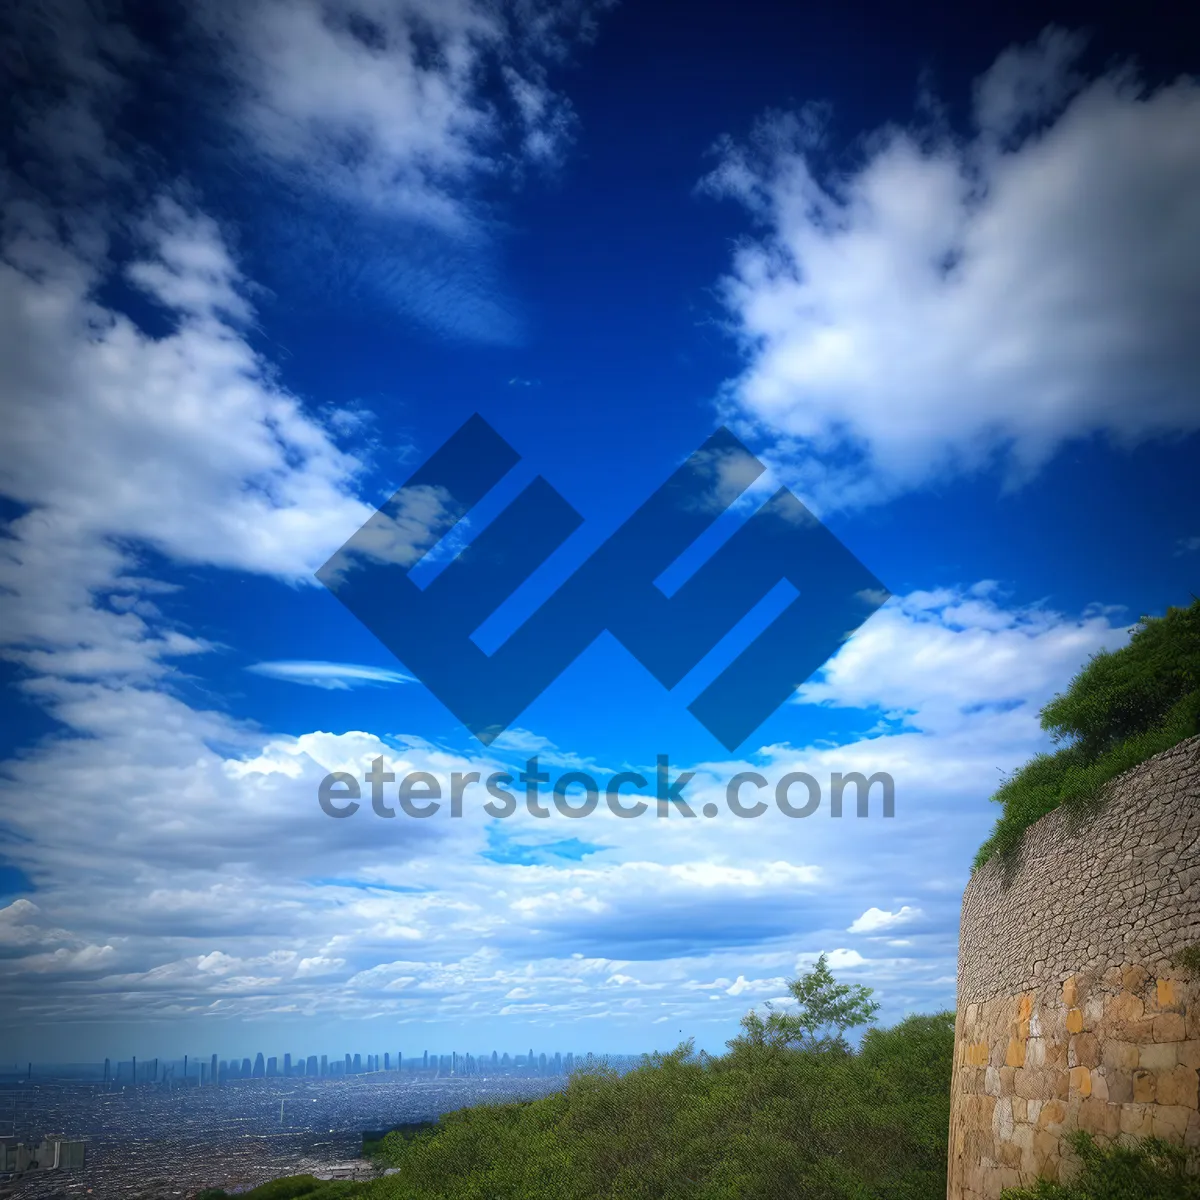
261	260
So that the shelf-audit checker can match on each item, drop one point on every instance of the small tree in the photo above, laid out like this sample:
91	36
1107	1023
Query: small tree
825	1010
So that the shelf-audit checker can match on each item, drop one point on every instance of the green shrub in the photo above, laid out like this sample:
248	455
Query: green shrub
1121	709
1150	1170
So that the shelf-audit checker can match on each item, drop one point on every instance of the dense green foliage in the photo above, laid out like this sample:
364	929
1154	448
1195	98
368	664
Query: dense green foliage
762	1121
1121	709
1150	1170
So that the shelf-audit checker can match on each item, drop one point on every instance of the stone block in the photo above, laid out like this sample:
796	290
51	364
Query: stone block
1158	1056
1081	1081
1188	1053
1124	1007
1014	1054
1169	1027
1074	1020
1098	1118
1191	1138
1070	992
991	1081
1143	1087
1166	993
1135	1120
1170	1121
1133	978
1120	1085
1083	1051
1052	1115
1177	1086
1119	1055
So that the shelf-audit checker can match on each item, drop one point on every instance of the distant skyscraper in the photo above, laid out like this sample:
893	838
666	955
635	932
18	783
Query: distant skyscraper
357	1063
311	1066
349	1065
505	1062
324	1065
287	1064
213	1076
425	1061
272	1066
558	1062
247	1068
495	1060
260	1066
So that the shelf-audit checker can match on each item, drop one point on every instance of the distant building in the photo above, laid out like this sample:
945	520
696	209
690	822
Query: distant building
260	1066
247	1068
349	1065
51	1154
357	1064
272	1066
287	1065
425	1061
324	1065
311	1066
214	1076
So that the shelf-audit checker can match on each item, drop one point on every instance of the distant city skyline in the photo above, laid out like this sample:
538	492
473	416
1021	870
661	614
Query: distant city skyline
199	1070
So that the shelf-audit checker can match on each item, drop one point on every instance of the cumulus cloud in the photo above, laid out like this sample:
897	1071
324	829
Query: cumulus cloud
949	304
875	919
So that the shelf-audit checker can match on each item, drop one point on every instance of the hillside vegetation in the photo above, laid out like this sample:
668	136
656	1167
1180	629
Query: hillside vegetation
790	1110
1121	709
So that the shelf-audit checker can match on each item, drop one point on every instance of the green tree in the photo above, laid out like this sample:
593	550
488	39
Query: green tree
825	1010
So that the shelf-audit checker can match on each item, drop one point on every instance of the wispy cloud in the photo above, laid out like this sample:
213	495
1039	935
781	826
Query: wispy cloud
331	675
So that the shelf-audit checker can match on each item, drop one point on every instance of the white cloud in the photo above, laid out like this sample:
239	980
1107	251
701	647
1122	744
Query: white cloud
875	919
950	304
331	675
943	658
384	105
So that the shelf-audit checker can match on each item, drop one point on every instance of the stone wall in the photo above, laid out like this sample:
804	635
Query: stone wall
1070	1014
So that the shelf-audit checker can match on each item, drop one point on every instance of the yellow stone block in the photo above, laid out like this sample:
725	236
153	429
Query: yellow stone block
1024	1007
1166	993
1081	1081
1075	1020
1014	1056
1070	992
1053	1113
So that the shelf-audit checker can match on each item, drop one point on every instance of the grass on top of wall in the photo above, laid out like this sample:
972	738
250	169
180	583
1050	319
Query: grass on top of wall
1121	709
